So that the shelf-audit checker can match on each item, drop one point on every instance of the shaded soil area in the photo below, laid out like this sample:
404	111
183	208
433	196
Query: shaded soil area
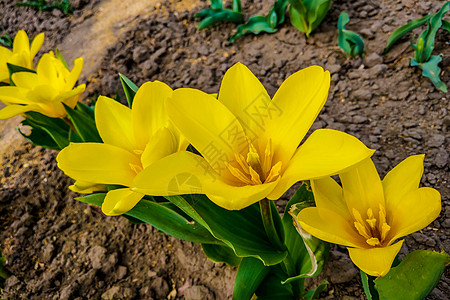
58	248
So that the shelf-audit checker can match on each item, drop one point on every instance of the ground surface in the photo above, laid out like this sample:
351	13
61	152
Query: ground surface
58	248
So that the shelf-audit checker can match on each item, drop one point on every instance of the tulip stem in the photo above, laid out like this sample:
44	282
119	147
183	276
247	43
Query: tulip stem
269	226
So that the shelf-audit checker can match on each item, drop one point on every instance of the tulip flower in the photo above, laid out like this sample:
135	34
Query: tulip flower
133	140
21	55
249	143
43	91
368	215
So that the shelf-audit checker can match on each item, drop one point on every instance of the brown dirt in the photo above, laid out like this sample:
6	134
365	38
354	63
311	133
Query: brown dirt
58	248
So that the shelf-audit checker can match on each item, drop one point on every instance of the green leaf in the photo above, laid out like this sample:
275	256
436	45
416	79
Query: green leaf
61	58
46	132
88	110
249	276
212	17
129	88
227	226
255	25
84	125
425	43
432	71
216	4
298	20
351	43
308	253
317	13
276	14
398	33
221	253
415	277
162	218
314	294
4	274
446	25
273	288
6	40
236	6
369	286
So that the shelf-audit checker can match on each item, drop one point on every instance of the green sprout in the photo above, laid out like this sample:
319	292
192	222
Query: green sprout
305	15
350	42
6	40
43	5
218	14
424	46
4	274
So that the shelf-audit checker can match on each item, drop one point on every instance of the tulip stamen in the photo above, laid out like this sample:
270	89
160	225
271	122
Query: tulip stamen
251	169
373	230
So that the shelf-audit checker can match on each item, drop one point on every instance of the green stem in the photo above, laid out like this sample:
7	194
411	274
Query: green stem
4	274
269	226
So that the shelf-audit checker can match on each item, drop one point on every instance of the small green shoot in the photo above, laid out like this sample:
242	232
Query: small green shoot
306	15
350	42
43	5
218	14
6	40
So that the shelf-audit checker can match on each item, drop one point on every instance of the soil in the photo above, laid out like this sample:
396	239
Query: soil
58	248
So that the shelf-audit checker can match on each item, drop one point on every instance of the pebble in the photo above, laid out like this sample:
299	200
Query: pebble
436	140
197	292
362	94
97	256
373	60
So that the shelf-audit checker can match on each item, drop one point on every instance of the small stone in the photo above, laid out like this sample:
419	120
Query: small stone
441	158
373	60
160	288
362	94
436	140
112	293
196	292
333	68
48	252
97	255
360	119
121	272
376	70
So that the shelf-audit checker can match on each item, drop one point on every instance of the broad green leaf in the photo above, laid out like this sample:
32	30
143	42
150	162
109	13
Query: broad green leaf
88	110
351	43
308	253
216	4
314	294
369	286
276	14
129	88
298	19
61	58
431	70
415	277
162	218
273	288
38	136
84	125
249	276
255	25
6	40
221	253
398	33
236	5
226	226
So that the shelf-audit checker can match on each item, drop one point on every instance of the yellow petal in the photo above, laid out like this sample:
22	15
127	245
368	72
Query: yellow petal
328	226
162	144
13	94
149	113
26	80
328	194
21	42
168	175
402	179
244	95
100	163
294	108
114	123
375	261
120	201
362	187
70	98
46	69
84	187
414	211
13	110
36	44
236	197
74	73
326	152
208	125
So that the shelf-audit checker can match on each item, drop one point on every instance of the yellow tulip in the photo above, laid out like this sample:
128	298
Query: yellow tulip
249	143
21	55
368	215
133	140
43	91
